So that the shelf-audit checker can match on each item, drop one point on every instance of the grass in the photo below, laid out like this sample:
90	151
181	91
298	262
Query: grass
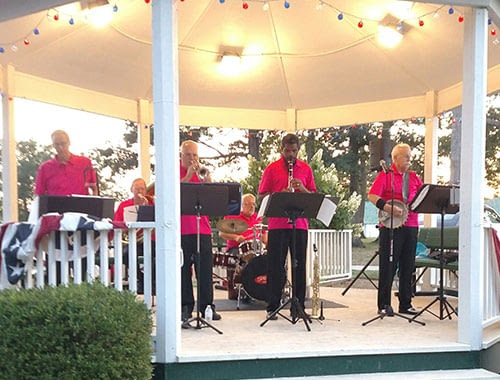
361	255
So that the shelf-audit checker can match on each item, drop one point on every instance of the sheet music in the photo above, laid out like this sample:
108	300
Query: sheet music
420	197
263	207
326	211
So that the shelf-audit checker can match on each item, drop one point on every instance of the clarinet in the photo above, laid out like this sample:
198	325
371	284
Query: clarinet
290	176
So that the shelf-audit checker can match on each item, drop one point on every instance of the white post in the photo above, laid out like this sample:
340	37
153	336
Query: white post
471	239
167	189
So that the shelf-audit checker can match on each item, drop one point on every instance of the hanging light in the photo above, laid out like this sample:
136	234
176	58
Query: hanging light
390	31
97	12
230	64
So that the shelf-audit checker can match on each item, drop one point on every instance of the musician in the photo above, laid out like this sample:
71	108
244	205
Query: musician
292	175
406	185
139	198
249	216
66	173
192	171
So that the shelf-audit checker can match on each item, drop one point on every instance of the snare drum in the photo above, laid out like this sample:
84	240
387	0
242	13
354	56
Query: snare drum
225	260
247	251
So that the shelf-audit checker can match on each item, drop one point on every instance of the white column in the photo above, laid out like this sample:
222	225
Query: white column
9	161
166	133
143	134
471	240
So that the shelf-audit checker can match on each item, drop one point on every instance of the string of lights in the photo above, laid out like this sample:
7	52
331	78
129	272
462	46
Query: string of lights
56	15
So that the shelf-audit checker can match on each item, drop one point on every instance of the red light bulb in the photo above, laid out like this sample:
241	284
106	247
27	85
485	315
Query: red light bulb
461	18
421	22
56	17
360	24
26	42
245	5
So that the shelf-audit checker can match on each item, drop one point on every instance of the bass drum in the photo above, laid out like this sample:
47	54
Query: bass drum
254	278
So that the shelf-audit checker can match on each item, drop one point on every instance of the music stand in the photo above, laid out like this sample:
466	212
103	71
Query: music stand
435	199
202	199
293	206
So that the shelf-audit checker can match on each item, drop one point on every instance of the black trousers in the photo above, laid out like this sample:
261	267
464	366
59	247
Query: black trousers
204	278
403	261
279	241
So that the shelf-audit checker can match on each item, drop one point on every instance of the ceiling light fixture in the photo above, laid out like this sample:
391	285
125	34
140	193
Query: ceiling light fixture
97	12
390	31
230	64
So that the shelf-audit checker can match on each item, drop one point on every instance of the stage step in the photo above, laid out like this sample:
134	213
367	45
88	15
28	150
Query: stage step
469	374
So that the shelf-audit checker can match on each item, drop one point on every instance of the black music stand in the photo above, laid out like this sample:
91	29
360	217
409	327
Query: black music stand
435	199
293	206
198	199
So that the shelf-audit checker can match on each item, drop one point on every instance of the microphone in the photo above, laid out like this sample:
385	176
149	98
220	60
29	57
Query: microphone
384	167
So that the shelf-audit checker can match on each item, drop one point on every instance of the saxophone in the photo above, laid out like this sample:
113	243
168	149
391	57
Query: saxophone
315	285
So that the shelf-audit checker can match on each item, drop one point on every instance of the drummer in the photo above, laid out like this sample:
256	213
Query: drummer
252	234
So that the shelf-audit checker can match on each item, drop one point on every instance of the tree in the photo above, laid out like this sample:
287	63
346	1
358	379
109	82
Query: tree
29	157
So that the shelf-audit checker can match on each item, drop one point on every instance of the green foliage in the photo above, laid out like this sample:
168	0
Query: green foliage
29	157
83	331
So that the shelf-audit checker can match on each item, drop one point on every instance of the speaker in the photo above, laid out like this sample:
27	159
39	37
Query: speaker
380	149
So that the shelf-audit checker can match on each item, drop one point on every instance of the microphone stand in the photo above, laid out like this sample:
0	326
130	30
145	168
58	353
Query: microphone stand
388	310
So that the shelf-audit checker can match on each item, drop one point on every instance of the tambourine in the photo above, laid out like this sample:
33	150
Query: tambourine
384	217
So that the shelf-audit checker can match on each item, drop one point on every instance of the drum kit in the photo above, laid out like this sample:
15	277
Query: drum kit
249	265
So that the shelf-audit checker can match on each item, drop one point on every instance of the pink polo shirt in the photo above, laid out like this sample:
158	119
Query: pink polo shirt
56	178
248	234
275	179
188	222
382	187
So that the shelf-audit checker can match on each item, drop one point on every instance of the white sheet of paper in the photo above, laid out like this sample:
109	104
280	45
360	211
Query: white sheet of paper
326	211
263	206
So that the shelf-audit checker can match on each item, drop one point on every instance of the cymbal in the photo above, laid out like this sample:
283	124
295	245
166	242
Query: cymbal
232	226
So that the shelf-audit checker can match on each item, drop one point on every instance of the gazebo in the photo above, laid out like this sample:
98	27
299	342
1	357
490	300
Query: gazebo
302	64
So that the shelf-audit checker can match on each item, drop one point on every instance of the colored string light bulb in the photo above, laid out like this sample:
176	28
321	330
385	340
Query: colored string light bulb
147	1
286	4
245	5
265	7
56	17
36	31
222	1
26	42
115	8
2	50
360	24
71	21
340	16
461	18
421	22
451	11
493	32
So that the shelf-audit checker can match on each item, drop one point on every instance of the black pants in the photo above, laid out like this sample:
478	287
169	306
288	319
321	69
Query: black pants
403	261
279	241
204	278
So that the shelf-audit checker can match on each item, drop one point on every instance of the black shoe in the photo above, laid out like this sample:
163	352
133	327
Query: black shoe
185	315
410	311
386	312
271	317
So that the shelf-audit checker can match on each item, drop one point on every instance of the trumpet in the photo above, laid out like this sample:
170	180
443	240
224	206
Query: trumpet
202	172
290	176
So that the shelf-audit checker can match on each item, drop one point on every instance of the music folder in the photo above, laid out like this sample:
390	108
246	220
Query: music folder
101	207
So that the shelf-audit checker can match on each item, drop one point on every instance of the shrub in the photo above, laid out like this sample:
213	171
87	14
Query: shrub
83	331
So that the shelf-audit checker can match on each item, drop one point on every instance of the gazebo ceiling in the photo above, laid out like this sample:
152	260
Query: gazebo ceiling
300	58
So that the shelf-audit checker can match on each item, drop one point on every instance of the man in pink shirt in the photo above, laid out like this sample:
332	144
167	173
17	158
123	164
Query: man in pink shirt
293	175
249	216
190	172
66	173
401	184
